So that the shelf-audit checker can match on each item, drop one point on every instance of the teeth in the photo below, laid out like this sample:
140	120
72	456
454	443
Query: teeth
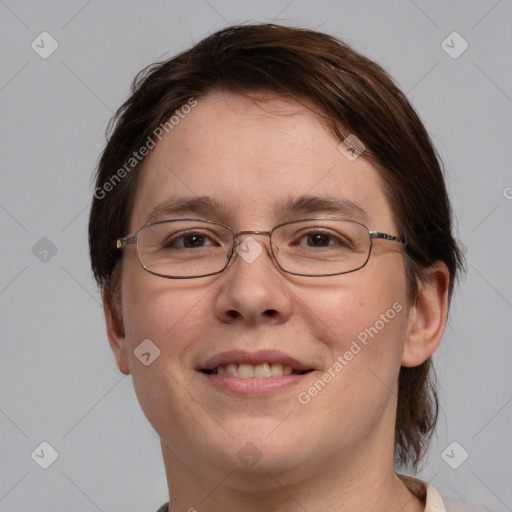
246	371
262	370
276	370
231	369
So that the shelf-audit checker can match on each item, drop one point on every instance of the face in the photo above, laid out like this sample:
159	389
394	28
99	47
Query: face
248	158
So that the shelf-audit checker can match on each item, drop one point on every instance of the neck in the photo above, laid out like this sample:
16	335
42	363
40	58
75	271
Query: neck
355	480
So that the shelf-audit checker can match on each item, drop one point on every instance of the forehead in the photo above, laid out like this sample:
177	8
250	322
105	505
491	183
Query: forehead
251	160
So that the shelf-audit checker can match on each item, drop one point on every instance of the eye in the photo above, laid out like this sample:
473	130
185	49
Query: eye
187	240
321	238
318	240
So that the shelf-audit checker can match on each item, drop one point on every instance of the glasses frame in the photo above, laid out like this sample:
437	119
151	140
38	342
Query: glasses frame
123	242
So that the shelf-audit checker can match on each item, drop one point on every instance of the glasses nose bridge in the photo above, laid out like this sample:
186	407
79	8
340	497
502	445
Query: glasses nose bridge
245	232
237	242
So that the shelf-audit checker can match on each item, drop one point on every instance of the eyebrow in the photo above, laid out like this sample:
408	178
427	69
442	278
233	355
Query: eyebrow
198	205
309	204
208	207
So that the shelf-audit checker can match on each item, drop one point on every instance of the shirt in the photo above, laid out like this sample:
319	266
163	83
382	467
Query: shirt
423	491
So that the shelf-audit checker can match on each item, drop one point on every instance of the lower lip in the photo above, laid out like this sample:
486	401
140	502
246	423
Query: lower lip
255	385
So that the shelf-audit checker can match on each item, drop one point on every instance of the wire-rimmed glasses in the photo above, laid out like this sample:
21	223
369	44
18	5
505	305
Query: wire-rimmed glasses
316	247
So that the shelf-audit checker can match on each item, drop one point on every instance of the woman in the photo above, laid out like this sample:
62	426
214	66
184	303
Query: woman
273	239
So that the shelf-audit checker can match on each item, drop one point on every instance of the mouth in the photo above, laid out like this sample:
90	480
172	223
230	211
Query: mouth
248	371
254	373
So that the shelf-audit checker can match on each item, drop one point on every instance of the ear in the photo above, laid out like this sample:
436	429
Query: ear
427	317
116	335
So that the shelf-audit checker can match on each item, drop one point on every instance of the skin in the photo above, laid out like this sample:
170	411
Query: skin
337	451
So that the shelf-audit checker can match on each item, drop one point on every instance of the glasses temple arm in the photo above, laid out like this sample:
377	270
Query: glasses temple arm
384	236
123	242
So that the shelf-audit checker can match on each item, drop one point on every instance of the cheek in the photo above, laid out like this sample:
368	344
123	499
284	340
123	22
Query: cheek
357	306
170	317
362	324
159	309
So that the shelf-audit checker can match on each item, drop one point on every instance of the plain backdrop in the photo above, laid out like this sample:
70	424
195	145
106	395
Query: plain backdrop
58	380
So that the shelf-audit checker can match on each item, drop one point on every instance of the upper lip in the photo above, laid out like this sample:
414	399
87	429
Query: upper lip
253	358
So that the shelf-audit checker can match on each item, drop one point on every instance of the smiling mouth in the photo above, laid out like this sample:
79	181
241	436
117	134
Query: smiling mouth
247	371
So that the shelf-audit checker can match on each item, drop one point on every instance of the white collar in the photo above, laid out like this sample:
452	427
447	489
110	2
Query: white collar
425	492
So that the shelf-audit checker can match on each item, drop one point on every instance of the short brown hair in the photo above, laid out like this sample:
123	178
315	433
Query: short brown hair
355	96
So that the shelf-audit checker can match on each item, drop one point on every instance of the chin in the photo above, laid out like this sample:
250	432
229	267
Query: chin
268	447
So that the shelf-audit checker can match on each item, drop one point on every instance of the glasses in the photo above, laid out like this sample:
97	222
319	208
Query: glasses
189	248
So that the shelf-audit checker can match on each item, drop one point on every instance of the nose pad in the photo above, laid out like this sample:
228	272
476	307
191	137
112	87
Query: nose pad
233	249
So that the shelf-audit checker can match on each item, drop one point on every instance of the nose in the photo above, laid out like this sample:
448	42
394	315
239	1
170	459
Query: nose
253	289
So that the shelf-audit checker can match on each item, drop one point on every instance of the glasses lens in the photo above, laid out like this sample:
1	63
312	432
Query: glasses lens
184	248
321	247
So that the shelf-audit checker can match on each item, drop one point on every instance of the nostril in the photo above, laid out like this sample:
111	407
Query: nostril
270	312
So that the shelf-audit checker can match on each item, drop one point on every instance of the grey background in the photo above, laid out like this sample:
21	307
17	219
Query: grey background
59	382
